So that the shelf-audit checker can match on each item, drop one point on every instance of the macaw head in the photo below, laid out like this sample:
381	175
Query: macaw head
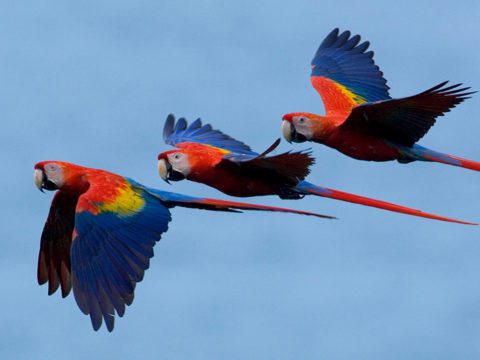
173	165
298	127
55	175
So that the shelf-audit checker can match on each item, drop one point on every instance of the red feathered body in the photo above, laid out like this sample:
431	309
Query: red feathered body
234	183
361	146
210	157
355	143
100	233
362	120
274	175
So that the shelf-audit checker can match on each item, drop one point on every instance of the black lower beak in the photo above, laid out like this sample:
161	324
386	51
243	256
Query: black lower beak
297	137
176	176
47	184
173	175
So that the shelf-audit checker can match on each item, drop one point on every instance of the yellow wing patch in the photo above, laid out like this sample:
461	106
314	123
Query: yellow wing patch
338	99
223	151
357	99
125	202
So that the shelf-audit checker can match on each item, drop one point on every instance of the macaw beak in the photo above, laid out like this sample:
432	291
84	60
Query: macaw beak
164	169
167	172
290	133
42	181
287	130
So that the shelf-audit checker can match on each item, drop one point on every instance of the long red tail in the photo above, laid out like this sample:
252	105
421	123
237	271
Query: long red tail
174	199
312	189
432	155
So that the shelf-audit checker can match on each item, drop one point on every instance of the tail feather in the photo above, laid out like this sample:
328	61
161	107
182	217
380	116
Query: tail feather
424	154
223	205
311	189
173	199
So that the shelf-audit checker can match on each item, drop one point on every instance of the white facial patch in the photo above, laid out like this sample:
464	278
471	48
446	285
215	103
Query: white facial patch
54	173
303	126
179	162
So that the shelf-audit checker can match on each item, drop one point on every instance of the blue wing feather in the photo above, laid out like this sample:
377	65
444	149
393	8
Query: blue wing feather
341	58
175	133
110	255
111	250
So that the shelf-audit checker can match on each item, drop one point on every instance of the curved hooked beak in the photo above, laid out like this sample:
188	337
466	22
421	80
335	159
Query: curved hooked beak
290	133
287	130
42	181
166	172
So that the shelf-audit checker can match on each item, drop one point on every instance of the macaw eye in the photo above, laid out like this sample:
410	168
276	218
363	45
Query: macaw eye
51	167
177	156
301	120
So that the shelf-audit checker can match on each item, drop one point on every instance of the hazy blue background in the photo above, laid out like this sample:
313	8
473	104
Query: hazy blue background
92	82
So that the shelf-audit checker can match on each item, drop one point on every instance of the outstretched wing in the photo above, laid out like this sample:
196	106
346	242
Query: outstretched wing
175	133
54	256
116	227
406	120
345	75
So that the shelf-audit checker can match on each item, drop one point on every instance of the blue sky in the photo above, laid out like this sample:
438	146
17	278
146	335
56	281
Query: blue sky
92	83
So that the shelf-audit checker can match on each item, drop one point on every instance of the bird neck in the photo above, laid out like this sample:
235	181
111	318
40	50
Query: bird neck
324	126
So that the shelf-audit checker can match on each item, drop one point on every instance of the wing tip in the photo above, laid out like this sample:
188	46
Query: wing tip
168	127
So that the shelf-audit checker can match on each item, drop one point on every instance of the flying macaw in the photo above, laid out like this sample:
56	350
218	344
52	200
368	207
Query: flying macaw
362	120
213	158
100	233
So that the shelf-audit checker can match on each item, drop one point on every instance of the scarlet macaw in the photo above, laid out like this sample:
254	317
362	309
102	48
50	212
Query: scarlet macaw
213	158
362	120
100	233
